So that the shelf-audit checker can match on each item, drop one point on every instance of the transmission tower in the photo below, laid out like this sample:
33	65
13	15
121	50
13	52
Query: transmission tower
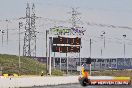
29	48
33	32
74	17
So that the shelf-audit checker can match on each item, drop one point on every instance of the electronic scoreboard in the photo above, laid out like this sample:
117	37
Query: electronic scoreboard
66	44
66	40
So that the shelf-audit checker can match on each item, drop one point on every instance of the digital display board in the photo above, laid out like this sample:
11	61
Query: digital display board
65	49
65	40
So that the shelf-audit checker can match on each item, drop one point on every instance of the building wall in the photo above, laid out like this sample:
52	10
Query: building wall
96	63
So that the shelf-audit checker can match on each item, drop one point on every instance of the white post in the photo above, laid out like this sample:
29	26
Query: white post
54	60
66	63
20	25
60	62
46	53
50	55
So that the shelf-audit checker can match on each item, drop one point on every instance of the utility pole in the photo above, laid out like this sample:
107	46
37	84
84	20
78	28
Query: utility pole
20	25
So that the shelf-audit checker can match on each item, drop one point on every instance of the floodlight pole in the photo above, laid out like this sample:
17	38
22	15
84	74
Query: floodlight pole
101	53
124	46
90	56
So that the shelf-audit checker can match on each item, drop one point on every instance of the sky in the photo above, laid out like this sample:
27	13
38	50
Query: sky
108	12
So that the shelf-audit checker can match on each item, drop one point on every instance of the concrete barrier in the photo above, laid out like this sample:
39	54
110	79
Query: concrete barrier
36	81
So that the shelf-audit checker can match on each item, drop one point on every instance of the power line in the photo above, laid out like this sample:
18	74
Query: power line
74	22
108	25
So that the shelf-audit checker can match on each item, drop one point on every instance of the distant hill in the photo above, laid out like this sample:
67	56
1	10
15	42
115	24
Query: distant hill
9	64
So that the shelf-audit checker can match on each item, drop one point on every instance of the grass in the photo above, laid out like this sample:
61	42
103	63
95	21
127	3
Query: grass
9	64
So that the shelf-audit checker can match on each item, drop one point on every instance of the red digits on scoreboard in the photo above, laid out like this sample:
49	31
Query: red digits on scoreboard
77	41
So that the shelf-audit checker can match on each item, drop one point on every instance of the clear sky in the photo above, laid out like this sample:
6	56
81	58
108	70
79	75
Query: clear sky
110	12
